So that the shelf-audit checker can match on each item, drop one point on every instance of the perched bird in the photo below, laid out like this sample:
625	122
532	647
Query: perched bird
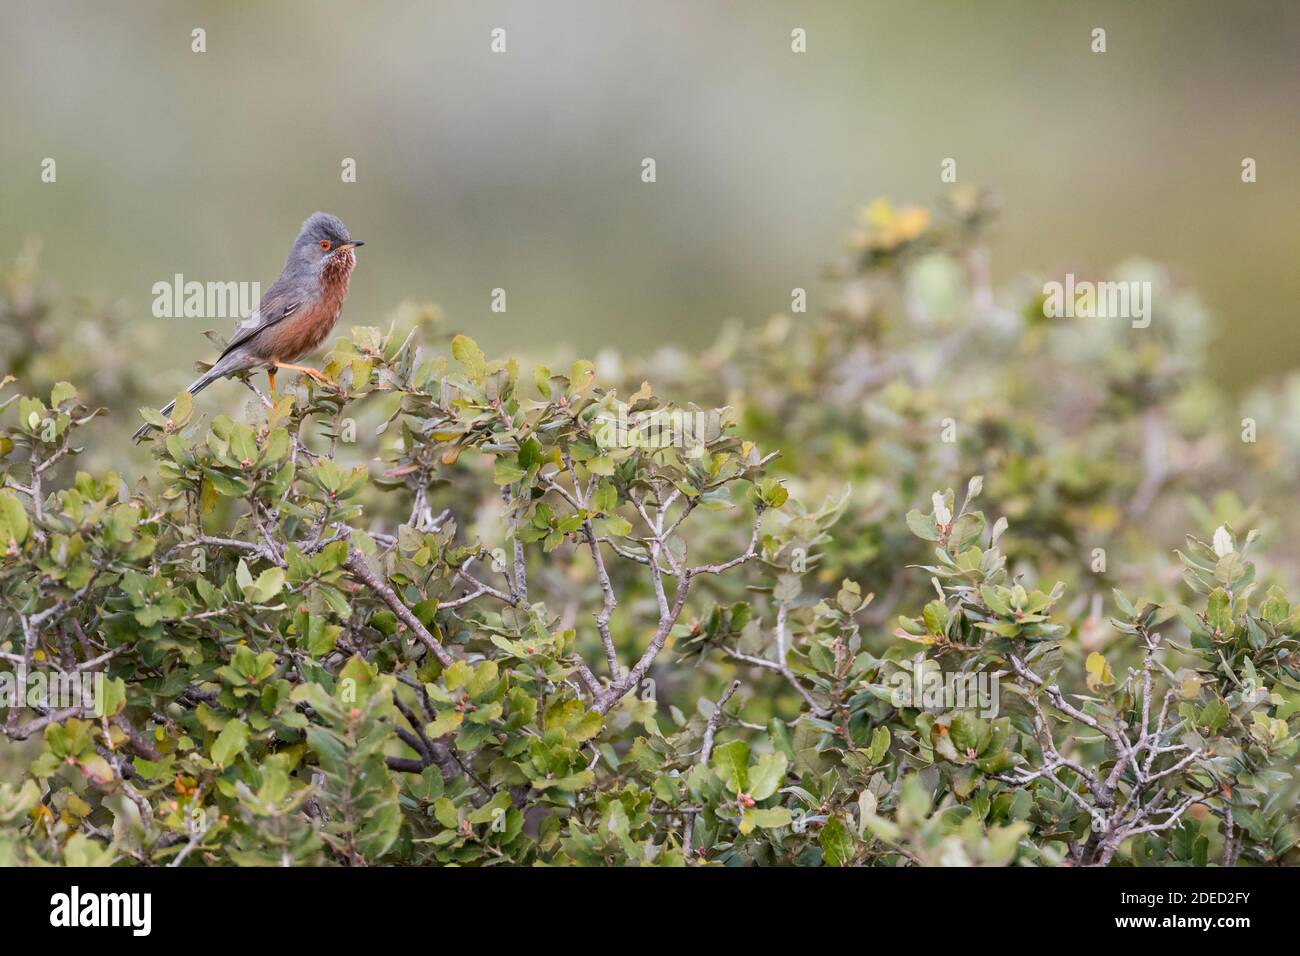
296	313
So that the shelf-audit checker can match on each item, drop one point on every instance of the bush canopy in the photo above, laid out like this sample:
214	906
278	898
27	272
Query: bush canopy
920	577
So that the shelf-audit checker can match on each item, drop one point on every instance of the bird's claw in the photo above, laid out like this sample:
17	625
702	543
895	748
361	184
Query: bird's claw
320	378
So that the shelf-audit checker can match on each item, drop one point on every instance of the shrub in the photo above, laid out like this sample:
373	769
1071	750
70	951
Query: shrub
452	610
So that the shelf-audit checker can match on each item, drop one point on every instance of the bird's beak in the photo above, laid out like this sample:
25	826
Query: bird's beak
353	243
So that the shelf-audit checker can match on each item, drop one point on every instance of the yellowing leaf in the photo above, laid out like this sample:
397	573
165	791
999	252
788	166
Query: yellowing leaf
582	375
466	351
1099	674
13	520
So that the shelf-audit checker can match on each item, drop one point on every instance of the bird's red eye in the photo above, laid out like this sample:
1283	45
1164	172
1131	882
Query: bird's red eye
325	244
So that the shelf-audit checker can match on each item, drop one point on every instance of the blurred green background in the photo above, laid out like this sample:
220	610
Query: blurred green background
522	170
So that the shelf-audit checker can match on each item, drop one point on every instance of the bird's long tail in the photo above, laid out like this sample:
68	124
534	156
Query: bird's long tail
198	385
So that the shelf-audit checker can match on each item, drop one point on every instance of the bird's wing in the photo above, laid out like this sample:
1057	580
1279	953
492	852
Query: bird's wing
276	306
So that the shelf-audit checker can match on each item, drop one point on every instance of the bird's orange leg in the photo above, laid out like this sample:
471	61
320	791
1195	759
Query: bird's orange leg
318	376
270	377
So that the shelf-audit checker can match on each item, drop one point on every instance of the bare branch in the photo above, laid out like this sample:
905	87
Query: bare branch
706	750
358	565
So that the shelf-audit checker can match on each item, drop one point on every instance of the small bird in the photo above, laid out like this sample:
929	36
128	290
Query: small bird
296	313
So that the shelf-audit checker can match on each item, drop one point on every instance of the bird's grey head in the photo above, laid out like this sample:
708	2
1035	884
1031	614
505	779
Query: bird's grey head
322	236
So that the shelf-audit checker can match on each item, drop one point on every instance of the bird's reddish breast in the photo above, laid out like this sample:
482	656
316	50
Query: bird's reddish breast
307	328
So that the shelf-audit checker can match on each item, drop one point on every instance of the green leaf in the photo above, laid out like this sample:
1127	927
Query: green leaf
617	526
506	472
582	375
13	520
230	743
766	775
447	721
444	811
466	351
542	381
771	817
836	842
243	577
606	498
879	744
966	532
731	763
378	834
773	493
530	454
485	675
935	614
1218	611
61	392
225	485
922	525
967	730
183	411
267	586
1123	603
243	443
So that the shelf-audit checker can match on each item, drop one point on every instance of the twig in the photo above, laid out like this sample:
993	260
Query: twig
358	565
706	750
